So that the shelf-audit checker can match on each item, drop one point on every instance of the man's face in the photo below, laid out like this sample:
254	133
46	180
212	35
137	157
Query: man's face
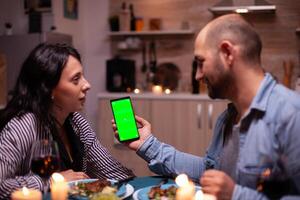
211	70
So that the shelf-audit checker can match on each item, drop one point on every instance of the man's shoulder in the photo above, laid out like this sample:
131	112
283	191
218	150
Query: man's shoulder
285	96
283	102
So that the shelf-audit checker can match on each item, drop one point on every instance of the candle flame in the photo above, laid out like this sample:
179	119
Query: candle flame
57	177
25	191
136	91
199	195
182	180
157	89
167	91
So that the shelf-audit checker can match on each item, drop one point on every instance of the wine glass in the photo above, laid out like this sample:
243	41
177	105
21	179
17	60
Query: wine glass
274	180
45	160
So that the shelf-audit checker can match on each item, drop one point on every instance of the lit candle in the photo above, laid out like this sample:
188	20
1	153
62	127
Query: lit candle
186	190
209	197
167	91
26	194
59	187
199	195
157	89
136	91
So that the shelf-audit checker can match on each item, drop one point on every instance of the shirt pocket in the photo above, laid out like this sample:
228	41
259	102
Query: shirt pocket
250	174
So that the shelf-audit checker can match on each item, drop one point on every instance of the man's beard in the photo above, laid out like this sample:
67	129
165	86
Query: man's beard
220	88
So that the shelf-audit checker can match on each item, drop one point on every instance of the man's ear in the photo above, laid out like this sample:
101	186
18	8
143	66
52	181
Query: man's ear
227	52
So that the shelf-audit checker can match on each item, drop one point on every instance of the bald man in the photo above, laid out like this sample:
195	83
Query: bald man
257	136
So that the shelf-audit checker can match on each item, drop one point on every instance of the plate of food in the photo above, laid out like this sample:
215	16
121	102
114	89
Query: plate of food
165	191
94	188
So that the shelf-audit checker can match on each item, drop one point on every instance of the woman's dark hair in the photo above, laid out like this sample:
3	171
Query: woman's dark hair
39	75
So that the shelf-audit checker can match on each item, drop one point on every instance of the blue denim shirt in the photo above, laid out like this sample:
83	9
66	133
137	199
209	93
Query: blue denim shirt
269	134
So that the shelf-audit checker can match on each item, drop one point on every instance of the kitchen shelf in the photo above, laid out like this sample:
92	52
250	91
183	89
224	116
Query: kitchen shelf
152	33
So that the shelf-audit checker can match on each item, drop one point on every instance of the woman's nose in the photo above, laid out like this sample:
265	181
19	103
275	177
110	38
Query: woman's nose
86	85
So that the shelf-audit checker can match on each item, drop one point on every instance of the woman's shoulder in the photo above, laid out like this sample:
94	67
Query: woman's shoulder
82	127
20	127
24	120
80	122
78	118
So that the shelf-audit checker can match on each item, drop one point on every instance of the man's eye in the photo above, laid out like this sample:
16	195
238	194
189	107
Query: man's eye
199	63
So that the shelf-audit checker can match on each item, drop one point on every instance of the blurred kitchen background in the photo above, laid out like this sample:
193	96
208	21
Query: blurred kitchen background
120	55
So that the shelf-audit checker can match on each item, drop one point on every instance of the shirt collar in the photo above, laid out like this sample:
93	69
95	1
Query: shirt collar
260	100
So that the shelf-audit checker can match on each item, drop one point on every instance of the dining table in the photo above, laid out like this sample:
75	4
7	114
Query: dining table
137	183
146	181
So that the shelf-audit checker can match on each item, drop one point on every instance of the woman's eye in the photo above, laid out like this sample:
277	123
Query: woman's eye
76	79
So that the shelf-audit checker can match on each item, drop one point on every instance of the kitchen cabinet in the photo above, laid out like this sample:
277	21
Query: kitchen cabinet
185	124
184	121
181	124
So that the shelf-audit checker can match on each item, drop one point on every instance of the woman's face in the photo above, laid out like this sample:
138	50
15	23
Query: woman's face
70	93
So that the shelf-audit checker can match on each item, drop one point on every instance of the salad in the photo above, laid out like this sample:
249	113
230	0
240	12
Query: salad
158	193
94	188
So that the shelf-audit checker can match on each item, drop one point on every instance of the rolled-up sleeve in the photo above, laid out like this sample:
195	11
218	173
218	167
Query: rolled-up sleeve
166	160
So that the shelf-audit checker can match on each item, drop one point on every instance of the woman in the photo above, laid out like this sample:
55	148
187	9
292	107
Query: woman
49	91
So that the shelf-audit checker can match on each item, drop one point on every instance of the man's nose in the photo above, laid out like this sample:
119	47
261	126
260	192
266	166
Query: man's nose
199	74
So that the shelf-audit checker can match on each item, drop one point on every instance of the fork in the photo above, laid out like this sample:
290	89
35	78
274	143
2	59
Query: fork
163	181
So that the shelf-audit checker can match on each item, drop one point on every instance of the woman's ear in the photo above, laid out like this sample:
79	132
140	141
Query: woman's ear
227	52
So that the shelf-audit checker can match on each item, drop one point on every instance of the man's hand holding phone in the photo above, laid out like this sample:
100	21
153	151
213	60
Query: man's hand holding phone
125	123
144	131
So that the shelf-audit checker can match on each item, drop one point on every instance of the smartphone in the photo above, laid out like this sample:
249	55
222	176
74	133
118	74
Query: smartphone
125	119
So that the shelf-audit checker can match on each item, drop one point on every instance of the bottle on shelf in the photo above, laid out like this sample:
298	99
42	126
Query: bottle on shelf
132	18
124	18
8	28
195	83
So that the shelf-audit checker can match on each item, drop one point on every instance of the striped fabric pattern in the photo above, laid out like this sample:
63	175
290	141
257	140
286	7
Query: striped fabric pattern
16	140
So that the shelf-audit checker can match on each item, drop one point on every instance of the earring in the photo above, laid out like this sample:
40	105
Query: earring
52	98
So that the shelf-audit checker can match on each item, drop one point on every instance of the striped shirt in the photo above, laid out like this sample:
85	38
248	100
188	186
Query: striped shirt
16	140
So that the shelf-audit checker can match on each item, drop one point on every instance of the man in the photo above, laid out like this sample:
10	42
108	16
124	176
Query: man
257	136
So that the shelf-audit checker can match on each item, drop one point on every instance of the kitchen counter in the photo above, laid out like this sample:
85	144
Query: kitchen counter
150	95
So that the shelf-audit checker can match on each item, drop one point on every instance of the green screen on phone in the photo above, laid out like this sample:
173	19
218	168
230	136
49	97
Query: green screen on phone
124	119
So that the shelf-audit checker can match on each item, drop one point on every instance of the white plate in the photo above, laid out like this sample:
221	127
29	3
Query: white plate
128	188
145	191
82	181
129	191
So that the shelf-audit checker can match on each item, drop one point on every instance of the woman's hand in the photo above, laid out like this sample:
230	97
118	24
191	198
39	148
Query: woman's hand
144	131
70	175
